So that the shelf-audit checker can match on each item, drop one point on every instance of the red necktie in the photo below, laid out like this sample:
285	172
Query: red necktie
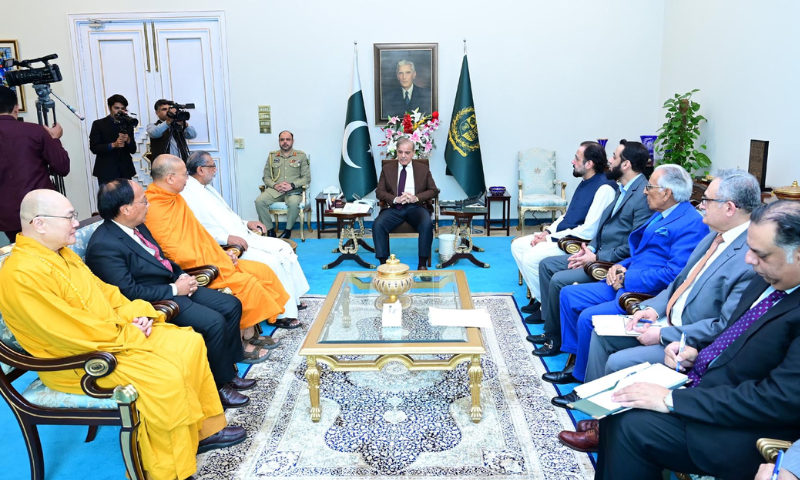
151	246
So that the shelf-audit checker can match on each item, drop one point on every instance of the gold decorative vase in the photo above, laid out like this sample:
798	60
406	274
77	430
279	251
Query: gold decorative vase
788	193
392	282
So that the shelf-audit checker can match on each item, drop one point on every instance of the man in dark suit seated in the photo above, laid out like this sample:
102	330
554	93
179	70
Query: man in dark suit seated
745	382
408	97
659	250
123	253
112	144
405	187
625	214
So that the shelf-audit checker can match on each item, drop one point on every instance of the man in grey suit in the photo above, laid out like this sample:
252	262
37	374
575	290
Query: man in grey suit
627	213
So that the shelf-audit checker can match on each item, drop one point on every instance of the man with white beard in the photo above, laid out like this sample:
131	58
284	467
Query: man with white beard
228	228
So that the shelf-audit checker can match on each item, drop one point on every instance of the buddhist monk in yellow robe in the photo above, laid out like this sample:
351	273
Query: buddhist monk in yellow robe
186	242
56	307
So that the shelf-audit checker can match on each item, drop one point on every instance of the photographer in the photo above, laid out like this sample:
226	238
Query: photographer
111	139
29	153
170	132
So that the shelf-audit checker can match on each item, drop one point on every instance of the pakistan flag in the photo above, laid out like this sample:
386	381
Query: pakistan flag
357	168
463	150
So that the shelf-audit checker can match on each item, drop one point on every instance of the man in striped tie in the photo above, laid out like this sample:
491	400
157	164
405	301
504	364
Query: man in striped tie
745	382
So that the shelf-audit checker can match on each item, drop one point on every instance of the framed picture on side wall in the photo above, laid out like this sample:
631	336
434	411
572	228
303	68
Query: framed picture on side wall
406	78
10	49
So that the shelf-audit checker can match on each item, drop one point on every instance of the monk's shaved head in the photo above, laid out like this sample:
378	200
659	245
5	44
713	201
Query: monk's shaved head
165	164
42	202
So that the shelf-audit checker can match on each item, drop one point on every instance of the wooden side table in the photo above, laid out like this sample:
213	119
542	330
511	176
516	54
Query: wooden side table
322	225
352	236
505	208
462	228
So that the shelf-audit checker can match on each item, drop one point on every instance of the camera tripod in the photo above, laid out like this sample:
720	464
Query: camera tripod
44	104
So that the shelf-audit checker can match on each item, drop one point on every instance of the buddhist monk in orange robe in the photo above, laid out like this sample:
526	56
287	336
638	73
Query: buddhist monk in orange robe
186	242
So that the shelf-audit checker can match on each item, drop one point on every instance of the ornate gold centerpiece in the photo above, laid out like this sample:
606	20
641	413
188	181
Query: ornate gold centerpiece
788	193
393	280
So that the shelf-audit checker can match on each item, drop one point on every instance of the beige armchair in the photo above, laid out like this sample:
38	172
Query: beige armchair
537	185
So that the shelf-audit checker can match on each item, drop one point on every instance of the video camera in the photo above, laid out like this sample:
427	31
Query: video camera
42	75
126	122
180	114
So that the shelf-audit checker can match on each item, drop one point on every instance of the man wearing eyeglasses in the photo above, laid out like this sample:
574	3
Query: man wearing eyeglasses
700	300
228	228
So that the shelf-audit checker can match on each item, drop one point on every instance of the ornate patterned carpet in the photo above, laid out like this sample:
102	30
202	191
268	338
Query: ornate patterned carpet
397	423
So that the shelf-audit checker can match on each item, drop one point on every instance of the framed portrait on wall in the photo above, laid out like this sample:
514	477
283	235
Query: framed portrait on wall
406	78
10	49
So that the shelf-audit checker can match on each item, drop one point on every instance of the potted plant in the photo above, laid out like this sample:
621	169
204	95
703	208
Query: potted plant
677	137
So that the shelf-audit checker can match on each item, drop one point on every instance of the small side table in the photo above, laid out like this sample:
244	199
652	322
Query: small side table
462	228
322	225
505	208
348	249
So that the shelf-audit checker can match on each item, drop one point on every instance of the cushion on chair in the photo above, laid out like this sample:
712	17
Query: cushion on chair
542	200
8	340
39	394
82	237
283	206
537	170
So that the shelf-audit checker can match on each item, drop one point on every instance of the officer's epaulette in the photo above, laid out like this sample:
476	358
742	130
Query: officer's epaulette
275	152
300	152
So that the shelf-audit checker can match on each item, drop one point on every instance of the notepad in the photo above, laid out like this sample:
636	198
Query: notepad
613	326
449	317
599	403
356	207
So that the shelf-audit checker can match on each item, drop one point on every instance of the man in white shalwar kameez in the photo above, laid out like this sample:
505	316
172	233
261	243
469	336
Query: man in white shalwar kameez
228	228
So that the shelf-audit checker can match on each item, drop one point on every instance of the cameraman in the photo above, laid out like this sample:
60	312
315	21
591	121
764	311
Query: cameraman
177	132
29	153
112	141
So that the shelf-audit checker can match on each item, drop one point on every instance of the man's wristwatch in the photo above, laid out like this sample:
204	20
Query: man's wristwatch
668	402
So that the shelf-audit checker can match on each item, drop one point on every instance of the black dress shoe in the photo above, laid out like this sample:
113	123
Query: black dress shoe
239	383
422	267
534	318
227	437
542	338
547	350
560	378
564	400
271	233
286	233
230	398
532	307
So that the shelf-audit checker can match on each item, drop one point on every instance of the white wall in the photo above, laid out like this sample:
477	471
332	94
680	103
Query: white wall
547	74
743	57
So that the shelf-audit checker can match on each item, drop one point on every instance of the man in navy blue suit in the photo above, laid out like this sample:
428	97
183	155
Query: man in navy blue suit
659	250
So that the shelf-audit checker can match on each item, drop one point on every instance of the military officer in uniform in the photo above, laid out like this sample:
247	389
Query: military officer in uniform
285	174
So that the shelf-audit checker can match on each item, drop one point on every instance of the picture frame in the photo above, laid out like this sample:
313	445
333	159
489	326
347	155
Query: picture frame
10	49
420	68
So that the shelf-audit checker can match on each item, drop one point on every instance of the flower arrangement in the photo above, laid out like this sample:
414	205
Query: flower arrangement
415	126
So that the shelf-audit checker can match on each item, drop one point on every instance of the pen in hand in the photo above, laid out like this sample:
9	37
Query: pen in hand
680	351
778	463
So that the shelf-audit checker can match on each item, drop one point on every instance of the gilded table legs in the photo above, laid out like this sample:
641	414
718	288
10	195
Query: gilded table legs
312	377
475	379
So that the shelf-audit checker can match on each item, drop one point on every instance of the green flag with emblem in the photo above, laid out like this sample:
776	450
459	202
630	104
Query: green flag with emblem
357	174
463	150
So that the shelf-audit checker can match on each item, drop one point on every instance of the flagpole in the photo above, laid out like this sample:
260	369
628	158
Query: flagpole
355	47
465	46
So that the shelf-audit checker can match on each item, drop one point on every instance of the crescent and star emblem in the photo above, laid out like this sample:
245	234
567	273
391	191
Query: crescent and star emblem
351	127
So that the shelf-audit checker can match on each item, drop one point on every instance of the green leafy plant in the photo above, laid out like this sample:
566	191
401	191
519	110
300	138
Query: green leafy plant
677	137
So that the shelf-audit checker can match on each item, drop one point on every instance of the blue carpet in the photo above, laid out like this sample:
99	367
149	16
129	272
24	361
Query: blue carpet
67	457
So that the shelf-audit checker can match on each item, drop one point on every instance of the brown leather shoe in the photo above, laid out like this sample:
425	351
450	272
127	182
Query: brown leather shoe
230	398
239	383
585	425
587	441
227	437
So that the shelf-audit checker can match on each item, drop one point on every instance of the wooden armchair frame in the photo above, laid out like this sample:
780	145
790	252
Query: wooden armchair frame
96	365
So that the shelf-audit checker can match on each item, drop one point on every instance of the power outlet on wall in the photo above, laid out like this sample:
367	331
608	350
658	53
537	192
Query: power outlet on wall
238	143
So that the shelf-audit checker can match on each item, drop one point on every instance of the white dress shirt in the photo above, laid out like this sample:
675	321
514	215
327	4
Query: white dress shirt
410	186
588	229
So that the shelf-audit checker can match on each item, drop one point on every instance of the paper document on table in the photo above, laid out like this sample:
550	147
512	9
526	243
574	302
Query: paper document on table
356	207
449	317
392	315
613	326
658	374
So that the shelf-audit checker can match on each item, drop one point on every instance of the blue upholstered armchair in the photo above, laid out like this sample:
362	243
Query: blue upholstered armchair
537	185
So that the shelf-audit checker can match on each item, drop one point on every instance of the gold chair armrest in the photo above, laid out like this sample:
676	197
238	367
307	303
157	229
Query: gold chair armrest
563	188
262	188
629	301
769	448
235	248
597	270
571	245
204	274
169	308
519	192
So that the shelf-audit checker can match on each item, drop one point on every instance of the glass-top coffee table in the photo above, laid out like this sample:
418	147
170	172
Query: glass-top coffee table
348	335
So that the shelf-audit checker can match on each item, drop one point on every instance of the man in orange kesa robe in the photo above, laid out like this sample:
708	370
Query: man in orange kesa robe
56	307
186	242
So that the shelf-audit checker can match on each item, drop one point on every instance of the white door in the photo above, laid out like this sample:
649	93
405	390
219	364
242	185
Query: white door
153	56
